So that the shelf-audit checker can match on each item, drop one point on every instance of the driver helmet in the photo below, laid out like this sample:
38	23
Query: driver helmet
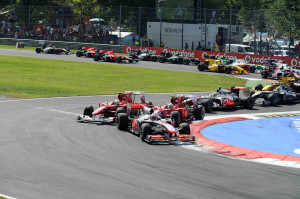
170	106
117	102
154	116
214	94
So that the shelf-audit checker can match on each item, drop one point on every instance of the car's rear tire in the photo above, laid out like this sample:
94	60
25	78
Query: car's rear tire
208	105
201	67
122	121
146	130
227	70
184	128
199	112
88	111
78	54
38	50
120	110
249	102
96	57
175	116
161	59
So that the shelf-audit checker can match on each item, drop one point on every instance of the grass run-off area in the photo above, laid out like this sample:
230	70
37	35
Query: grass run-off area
24	77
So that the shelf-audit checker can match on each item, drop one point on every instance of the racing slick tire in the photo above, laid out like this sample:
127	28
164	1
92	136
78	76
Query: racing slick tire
118	59
264	74
273	99
248	102
227	70
199	112
96	57
130	61
146	130
184	128
259	87
186	61
78	54
208	105
201	67
175	116
38	50
161	59
120	110
88	111
252	69
122	121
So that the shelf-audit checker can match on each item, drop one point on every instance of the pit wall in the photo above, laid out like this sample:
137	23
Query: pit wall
61	44
253	59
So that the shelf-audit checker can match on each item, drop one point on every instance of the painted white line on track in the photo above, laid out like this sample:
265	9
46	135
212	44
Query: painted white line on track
6	197
58	111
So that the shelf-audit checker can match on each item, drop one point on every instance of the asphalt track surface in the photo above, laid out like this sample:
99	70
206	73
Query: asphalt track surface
45	153
144	64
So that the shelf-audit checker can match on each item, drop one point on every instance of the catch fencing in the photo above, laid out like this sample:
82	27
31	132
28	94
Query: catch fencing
131	25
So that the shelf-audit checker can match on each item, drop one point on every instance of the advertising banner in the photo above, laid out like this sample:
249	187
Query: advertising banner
253	59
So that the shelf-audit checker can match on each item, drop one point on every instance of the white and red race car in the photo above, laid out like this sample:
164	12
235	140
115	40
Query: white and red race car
153	129
233	97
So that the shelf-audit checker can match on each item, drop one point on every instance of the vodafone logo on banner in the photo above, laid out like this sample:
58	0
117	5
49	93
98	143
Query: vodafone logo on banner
253	59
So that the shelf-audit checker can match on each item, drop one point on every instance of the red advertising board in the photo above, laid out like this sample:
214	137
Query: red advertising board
254	59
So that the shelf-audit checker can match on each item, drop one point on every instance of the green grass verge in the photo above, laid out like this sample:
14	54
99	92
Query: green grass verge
24	77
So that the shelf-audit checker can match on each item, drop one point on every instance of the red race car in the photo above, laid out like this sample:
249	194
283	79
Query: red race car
108	111
86	51
110	56
181	109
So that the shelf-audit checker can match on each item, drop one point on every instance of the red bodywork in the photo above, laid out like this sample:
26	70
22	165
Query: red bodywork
125	100
92	50
180	103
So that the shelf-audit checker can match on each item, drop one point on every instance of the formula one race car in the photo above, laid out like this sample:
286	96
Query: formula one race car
221	65
146	55
172	59
281	92
243	64
274	69
233	97
51	49
192	61
164	57
108	111
110	56
153	129
86	51
281	95
181	109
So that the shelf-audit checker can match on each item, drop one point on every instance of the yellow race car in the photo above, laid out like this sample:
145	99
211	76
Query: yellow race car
221	65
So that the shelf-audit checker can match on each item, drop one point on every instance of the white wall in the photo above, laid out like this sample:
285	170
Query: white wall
171	34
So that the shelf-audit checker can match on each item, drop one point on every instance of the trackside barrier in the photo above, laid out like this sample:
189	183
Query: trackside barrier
253	59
